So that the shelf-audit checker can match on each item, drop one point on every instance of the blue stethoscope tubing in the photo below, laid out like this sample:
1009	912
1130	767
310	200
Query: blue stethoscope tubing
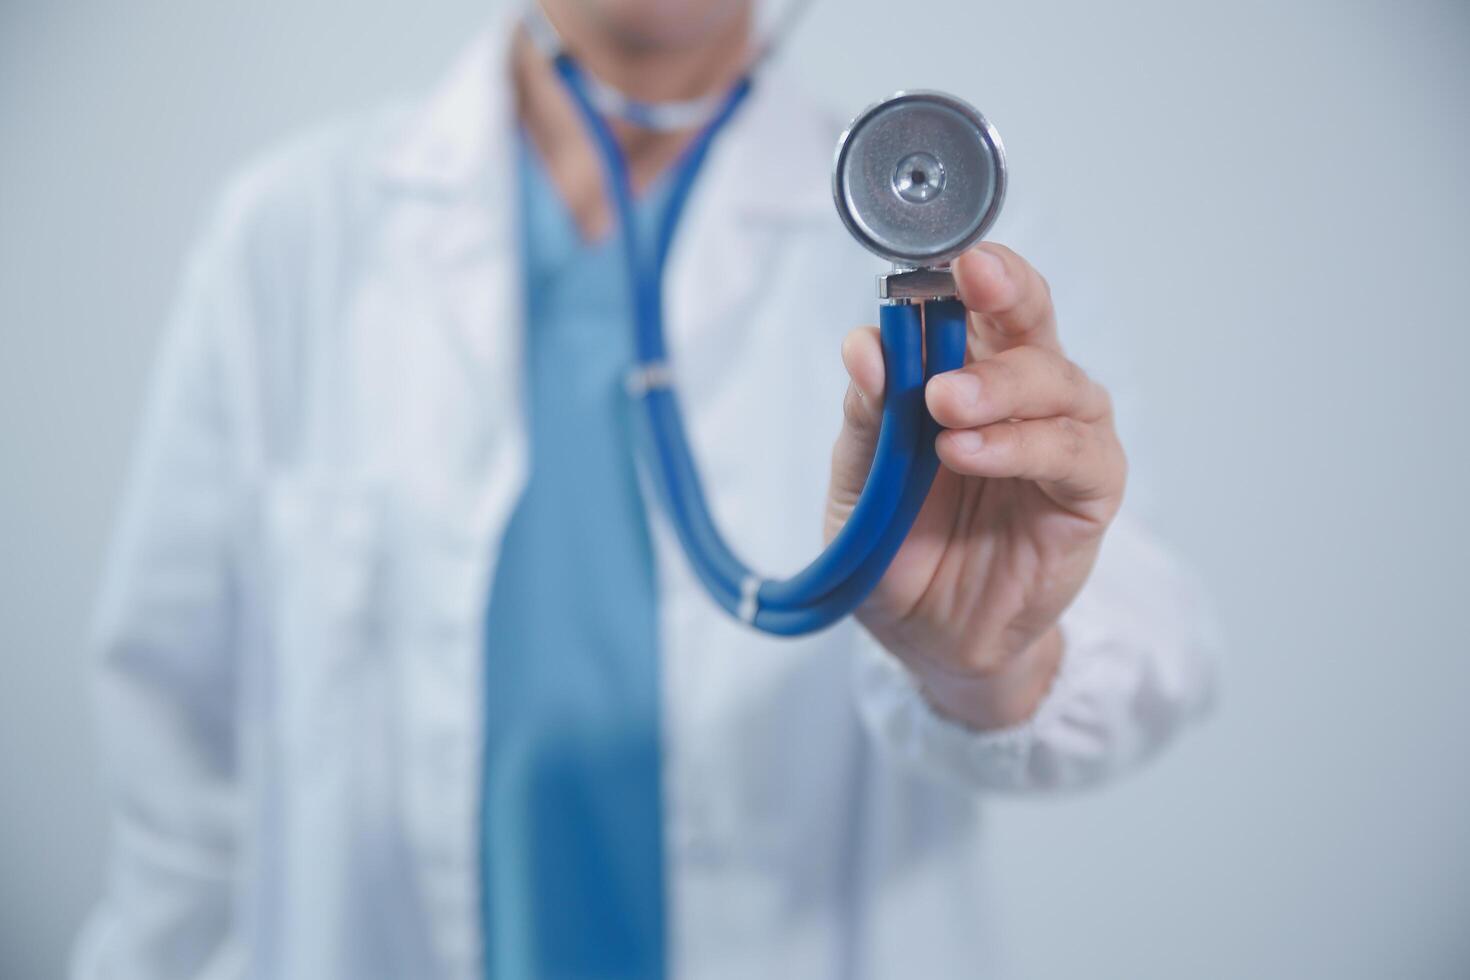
915	348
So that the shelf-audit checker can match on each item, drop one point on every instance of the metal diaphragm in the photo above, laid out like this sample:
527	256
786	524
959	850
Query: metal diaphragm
919	178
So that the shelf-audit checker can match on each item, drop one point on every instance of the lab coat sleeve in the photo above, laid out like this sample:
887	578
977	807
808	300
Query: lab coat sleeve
166	667
1138	665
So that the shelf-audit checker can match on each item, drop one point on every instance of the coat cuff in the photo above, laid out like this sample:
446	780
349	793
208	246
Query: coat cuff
903	722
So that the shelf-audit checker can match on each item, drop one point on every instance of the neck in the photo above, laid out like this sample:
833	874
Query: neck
707	62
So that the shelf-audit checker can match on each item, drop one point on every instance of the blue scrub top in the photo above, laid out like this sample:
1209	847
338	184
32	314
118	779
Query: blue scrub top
573	821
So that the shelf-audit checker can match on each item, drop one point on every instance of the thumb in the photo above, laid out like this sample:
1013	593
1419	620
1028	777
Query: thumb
862	413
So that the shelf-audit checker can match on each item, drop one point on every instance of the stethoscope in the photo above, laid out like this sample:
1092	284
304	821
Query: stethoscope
918	178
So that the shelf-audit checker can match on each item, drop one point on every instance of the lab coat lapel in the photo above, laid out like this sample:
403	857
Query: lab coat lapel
453	170
456	160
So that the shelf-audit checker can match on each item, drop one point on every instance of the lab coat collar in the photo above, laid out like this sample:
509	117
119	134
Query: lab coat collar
451	140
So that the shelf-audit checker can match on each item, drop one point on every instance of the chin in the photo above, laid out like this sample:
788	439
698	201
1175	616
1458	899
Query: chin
662	23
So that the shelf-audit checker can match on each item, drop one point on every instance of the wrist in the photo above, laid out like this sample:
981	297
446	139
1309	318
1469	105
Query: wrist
1000	697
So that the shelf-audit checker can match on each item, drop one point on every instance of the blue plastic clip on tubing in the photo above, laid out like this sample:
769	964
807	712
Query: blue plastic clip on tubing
904	463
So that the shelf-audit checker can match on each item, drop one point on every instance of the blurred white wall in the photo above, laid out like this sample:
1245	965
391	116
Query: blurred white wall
1273	202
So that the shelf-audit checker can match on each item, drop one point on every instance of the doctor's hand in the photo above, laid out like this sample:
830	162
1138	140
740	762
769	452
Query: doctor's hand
1032	473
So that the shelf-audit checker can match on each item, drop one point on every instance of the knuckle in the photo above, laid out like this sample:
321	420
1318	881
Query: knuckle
1072	437
1027	357
999	372
1072	374
1047	366
1037	294
1043	285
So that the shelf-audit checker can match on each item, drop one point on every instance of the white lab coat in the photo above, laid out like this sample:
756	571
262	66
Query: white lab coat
290	663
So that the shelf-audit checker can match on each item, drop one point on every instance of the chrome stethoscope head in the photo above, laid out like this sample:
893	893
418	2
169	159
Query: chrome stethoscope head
918	178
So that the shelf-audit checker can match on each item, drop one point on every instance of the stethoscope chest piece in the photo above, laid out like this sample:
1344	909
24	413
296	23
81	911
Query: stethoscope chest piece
919	178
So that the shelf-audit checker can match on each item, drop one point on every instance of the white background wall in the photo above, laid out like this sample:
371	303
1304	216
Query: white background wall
1273	200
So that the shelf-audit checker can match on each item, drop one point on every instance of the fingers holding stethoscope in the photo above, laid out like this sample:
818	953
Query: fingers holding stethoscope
1021	409
1079	465
1020	383
1028	413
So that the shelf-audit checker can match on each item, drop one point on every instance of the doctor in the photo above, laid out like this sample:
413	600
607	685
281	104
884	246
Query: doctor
401	671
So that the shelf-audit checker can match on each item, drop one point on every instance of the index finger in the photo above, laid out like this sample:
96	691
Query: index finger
1008	300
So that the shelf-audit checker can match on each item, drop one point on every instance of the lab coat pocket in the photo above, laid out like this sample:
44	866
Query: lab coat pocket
320	578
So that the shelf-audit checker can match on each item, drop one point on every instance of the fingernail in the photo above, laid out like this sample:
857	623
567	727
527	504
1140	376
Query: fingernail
966	441
964	388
